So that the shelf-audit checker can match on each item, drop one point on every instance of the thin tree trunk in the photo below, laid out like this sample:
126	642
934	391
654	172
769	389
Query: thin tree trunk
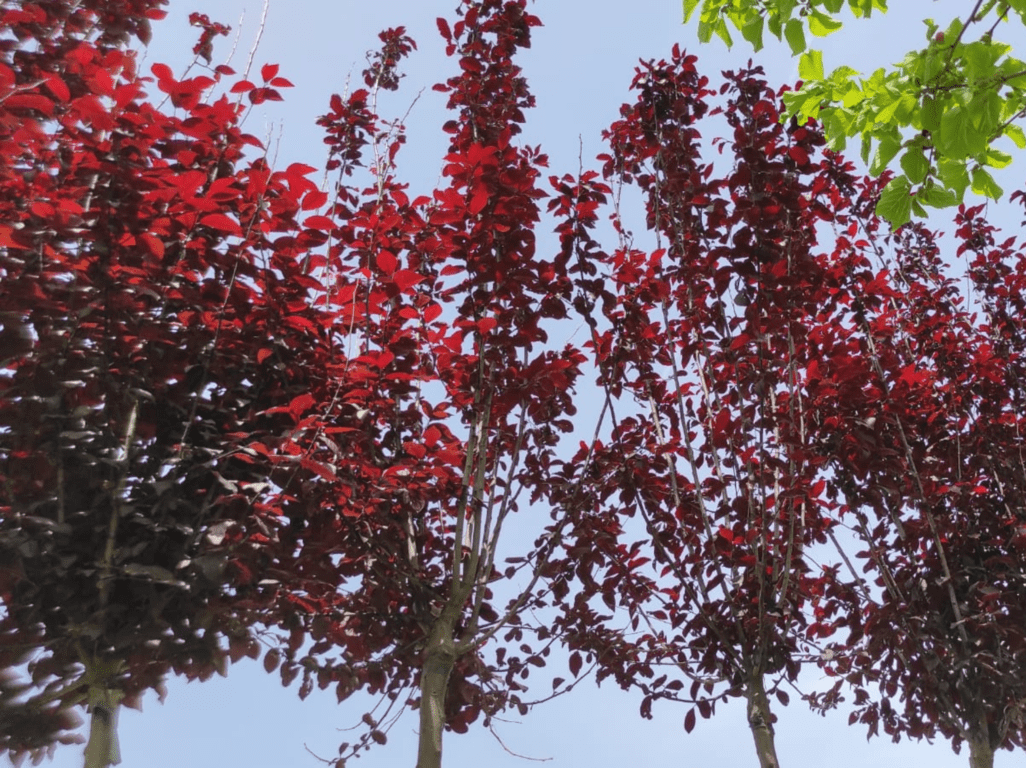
760	720
439	659
981	753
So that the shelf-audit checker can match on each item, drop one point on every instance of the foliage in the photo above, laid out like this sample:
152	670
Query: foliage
932	490
941	111
706	342
235	406
388	560
149	326
777	397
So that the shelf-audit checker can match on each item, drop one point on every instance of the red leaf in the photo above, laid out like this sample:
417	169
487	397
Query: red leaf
162	71
58	87
405	279
575	663
416	450
301	404
281	82
431	435
30	101
223	223
242	86
314	199
321	223
271	659
431	312
443	28
478	201
328	473
721	425
689	720
153	244
268	71
486	324
263	354
387	262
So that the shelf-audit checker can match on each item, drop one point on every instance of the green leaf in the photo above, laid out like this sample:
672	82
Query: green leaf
954	30
886	115
886	149
998	159
915	165
795	34
810	66
1015	133
752	31
822	25
896	202
981	57
959	137
853	97
689	9
937	197
984	184
705	31
930	114
954	175
986	111
723	32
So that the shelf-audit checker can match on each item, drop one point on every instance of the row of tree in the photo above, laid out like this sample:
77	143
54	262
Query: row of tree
244	415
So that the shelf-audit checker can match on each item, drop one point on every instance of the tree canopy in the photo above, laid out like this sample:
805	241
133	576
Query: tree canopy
244	413
947	112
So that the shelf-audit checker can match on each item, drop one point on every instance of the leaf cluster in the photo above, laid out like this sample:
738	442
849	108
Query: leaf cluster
941	111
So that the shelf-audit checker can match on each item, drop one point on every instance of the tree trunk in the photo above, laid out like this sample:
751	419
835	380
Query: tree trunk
439	659
760	720
981	753
103	749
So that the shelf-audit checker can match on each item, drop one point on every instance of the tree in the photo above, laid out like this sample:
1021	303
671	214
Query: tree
932	490
784	378
236	407
149	327
443	410
703	348
943	108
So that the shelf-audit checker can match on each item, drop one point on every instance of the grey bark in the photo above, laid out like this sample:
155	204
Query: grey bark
760	720
981	754
439	659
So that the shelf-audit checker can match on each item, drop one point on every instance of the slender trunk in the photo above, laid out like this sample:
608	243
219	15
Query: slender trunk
760	720
981	755
981	752
439	659
103	749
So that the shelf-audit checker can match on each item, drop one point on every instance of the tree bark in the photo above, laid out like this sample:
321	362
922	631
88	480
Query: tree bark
981	753
103	749
439	659
760	720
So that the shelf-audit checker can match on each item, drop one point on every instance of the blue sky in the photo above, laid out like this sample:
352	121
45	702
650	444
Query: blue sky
579	67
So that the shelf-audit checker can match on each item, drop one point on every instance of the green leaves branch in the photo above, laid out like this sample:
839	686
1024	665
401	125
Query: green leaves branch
939	111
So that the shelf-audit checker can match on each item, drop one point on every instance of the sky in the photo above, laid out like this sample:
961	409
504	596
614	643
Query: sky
579	67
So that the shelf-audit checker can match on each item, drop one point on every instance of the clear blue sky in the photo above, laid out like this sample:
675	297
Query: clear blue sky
579	68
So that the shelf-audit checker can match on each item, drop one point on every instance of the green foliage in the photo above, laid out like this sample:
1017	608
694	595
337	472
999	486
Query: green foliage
940	111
